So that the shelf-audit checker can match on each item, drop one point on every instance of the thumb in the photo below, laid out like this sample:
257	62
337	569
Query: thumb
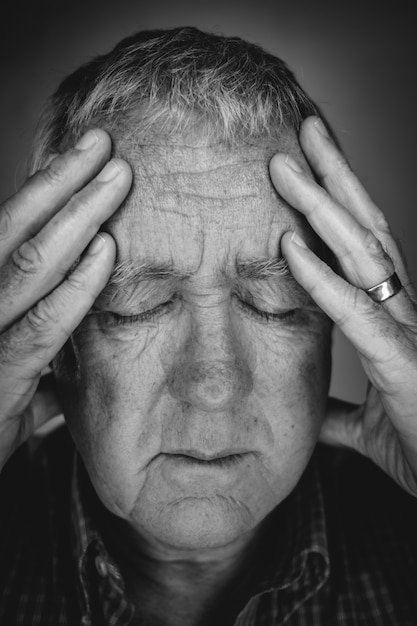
342	425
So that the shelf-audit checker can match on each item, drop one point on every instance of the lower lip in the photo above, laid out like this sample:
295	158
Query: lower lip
182	469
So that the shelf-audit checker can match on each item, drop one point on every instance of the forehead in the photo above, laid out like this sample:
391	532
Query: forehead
189	196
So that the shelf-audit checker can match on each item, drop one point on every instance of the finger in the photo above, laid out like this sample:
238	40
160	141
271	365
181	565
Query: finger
48	190
386	347
336	176
351	242
43	409
28	346
41	263
360	254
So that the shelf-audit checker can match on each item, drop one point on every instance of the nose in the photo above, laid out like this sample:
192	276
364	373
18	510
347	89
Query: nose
212	373
211	386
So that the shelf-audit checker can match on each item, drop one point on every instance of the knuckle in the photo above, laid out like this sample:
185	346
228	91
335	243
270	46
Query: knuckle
28	258
325	278
381	224
42	318
327	275
343	166
398	249
372	245
5	353
81	204
55	173
360	301
15	351
79	281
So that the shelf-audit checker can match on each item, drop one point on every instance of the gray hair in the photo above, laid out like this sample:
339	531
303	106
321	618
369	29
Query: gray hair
171	81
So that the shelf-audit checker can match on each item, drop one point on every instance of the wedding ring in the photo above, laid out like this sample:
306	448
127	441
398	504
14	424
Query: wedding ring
382	291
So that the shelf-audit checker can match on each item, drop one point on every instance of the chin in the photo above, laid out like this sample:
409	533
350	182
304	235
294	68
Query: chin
196	523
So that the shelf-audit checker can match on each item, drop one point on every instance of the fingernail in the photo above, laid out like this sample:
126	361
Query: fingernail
321	127
87	141
110	171
96	245
297	240
293	164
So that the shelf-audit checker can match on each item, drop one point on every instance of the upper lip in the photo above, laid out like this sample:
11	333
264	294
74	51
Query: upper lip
204	456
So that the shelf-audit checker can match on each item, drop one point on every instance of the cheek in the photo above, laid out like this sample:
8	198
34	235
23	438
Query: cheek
294	366
107	408
291	381
112	372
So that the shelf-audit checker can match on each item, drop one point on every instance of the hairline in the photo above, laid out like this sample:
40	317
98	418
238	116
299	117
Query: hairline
111	89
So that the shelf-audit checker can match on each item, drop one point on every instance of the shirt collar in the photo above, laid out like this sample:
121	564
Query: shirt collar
101	586
303	516
298	566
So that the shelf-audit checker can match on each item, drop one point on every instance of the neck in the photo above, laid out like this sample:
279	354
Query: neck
189	587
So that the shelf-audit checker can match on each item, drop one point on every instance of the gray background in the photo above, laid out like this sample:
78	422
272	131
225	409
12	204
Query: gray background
356	59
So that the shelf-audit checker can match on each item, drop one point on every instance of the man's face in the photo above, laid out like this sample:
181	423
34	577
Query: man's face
203	377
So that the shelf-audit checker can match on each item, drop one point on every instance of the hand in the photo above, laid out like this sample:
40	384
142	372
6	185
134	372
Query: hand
384	428
44	228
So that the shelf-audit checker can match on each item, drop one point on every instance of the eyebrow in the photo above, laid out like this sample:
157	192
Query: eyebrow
128	273
262	269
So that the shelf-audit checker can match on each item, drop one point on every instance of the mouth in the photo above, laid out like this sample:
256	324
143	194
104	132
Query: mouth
220	459
198	472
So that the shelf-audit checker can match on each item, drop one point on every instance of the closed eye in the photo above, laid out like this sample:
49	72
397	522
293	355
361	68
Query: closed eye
166	307
268	316
145	316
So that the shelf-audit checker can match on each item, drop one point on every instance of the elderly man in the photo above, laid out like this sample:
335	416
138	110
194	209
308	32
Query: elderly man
189	236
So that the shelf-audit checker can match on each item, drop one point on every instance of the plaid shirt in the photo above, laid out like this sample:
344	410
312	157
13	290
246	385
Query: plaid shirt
342	552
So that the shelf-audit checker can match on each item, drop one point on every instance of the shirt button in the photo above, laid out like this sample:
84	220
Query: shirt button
101	566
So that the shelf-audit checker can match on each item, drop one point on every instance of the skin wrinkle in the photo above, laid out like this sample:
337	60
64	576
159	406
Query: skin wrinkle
218	199
175	174
201	184
151	276
155	158
176	209
207	374
193	158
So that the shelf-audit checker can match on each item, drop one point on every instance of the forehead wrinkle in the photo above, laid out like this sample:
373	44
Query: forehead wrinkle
207	171
190	192
179	179
167	195
160	154
226	182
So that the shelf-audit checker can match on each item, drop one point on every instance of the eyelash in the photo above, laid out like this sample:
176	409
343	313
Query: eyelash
166	307
266	315
156	312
